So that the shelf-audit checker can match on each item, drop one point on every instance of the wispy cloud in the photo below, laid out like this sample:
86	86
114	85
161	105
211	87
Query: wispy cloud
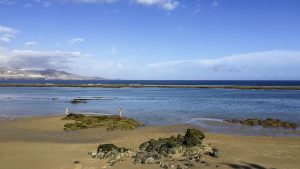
167	5
46	3
30	44
7	33
164	4
265	65
7	2
215	3
276	64
76	40
92	1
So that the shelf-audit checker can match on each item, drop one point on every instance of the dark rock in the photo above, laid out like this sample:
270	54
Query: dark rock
215	153
189	164
193	137
106	148
148	157
77	101
178	166
173	145
161	151
76	162
154	145
73	116
144	145
113	153
276	123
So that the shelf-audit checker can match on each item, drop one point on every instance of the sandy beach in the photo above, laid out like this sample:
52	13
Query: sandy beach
41	143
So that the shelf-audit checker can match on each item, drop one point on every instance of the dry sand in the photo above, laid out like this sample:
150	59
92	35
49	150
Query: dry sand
41	143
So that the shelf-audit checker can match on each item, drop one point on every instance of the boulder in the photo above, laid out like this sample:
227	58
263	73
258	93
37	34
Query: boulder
193	137
113	153
76	162
215	153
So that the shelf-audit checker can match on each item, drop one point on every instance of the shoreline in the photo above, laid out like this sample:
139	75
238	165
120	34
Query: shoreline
232	129
45	145
157	86
227	128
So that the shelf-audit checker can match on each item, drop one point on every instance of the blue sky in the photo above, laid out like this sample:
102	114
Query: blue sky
154	39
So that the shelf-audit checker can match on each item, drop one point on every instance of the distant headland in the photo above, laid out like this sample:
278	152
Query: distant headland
46	74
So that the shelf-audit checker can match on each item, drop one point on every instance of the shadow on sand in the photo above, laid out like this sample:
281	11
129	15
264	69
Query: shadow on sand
245	166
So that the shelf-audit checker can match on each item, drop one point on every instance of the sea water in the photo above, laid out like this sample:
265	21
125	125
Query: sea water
206	108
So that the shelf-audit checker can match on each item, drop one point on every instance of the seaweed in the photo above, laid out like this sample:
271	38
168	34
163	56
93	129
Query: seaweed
110	122
274	123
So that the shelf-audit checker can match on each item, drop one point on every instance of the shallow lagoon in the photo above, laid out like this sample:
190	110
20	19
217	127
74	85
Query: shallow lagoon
159	106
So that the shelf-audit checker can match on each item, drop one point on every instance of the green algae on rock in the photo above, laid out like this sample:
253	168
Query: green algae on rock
173	152
275	123
111	122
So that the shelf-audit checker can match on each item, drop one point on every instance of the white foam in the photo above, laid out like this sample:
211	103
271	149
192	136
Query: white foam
194	120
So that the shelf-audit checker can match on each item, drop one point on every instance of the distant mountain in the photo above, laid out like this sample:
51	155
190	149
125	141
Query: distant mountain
47	74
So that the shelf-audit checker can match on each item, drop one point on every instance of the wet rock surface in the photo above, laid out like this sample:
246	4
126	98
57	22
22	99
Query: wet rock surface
274	123
173	152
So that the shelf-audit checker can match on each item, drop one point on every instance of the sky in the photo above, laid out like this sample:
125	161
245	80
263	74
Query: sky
154	39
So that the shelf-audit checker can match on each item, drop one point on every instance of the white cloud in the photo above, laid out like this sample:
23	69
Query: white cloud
276	64
34	59
77	40
30	44
7	2
93	1
7	33
265	65
165	4
168	5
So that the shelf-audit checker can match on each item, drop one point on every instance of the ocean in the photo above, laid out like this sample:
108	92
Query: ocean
206	108
163	82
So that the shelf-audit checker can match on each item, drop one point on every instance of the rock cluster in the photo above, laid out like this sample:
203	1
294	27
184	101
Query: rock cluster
172	152
265	123
112	153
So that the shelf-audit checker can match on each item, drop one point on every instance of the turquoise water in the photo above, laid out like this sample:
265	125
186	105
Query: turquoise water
159	106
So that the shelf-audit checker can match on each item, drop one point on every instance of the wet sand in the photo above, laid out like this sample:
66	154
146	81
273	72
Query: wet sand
41	143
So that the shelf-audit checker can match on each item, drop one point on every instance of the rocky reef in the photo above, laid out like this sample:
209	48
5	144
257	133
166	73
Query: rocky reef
77	101
111	122
173	152
275	123
83	100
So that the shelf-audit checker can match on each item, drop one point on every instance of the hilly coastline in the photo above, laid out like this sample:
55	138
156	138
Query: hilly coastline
46	74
